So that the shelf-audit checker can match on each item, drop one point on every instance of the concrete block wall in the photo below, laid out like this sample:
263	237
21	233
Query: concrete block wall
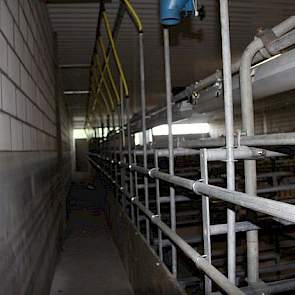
34	149
27	78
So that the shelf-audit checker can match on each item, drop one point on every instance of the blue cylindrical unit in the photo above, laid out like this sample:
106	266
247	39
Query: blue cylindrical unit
170	10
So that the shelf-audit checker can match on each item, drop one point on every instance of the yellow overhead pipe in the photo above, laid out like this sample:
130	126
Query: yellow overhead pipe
108	108
105	100
96	107
100	82
133	15
106	86
138	23
106	60
117	59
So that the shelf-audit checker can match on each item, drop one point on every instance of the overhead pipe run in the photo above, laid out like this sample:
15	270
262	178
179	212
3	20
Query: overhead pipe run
277	74
207	93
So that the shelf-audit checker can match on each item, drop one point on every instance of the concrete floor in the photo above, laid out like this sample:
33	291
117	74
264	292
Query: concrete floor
90	262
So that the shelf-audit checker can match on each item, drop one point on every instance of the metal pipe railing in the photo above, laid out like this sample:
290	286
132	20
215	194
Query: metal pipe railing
229	137
170	139
275	139
197	258
129	192
143	119
270	207
247	108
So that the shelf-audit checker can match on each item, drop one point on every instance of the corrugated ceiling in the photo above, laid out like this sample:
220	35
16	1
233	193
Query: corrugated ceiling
195	50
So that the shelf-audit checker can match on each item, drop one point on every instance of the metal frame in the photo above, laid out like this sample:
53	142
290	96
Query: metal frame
117	159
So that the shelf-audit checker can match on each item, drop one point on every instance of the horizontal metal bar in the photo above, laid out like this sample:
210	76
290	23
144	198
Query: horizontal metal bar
220	229
138	169
178	198
277	287
164	152
192	241
177	152
176	180
150	185
274	174
242	153
198	260
270	207
276	139
283	42
270	78
280	188
262	205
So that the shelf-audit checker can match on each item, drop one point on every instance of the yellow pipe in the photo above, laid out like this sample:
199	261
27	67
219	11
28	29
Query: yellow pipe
117	59
96	107
134	15
105	83
107	106
109	111
94	97
100	82
106	60
139	26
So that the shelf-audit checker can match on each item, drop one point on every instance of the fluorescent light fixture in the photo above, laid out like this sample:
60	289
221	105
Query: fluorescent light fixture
266	60
76	92
182	129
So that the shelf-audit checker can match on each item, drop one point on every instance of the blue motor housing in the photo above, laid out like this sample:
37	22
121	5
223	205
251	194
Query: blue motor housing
170	10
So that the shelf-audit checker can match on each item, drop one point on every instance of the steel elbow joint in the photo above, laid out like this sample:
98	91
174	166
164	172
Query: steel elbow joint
170	10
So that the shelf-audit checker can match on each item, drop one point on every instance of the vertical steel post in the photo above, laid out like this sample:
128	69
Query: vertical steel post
107	143
143	115
113	122
247	108
117	194
122	143
229	132
108	125
129	145
206	217
102	129
158	203
170	139
136	191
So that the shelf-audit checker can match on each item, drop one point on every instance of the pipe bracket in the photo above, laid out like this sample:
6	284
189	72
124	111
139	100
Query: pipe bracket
267	37
151	172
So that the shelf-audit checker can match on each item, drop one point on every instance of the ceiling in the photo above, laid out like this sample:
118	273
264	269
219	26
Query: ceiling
195	44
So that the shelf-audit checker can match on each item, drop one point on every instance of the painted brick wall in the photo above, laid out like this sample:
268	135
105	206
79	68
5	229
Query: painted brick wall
27	78
34	149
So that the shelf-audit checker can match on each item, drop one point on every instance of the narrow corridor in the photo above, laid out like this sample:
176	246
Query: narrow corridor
90	262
